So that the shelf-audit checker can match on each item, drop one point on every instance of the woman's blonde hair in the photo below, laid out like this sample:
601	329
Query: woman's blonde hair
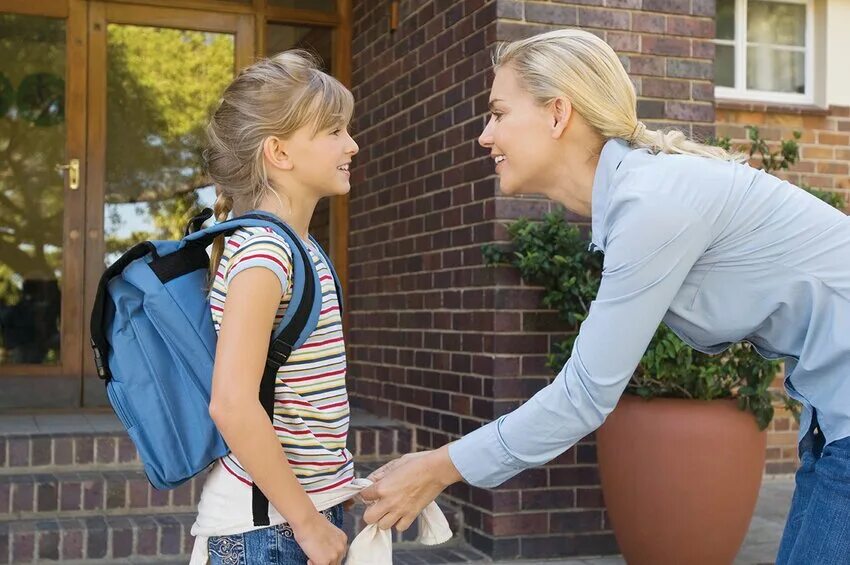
272	97
583	68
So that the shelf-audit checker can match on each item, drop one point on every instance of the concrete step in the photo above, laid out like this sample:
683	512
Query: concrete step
153	539
456	552
88	540
96	441
91	493
128	492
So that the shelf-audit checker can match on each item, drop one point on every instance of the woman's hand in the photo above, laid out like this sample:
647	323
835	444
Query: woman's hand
407	485
324	543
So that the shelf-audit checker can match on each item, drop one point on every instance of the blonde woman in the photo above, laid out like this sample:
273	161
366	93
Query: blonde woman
717	250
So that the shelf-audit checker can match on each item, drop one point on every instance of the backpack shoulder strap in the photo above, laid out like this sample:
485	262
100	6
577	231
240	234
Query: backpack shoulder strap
292	331
331	268
100	309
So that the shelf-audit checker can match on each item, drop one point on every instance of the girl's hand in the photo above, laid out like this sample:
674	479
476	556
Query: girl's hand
406	486
324	543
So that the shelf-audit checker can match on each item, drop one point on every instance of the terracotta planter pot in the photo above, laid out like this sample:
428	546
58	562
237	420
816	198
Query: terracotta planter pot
680	479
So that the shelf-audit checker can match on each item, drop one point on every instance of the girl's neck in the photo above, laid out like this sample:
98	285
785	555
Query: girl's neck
297	212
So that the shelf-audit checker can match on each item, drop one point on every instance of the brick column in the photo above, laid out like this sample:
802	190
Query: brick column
437	339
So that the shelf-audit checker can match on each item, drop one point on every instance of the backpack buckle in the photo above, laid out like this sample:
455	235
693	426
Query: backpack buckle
102	370
279	353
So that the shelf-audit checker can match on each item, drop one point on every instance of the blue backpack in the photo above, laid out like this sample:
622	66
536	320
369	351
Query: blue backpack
154	345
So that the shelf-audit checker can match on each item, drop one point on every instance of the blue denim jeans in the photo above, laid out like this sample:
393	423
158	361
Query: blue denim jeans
818	527
274	545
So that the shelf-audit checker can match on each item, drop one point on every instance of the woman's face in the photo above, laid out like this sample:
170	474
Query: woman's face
519	136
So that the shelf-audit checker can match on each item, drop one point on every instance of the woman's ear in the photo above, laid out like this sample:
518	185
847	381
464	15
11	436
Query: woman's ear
275	155
562	111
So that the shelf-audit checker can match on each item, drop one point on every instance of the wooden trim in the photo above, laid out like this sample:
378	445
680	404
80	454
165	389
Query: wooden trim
201	5
278	15
49	8
245	45
96	166
71	344
260	27
769	107
339	206
171	18
73	313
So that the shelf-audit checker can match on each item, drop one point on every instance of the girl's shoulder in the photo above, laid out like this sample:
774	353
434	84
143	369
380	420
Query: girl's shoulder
250	247
258	236
259	233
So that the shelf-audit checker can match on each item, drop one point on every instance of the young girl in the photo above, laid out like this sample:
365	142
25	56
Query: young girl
277	142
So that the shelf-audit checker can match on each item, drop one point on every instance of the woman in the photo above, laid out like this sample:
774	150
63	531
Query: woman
719	251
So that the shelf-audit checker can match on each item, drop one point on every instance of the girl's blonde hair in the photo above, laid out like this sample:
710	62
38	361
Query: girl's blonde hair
272	97
583	68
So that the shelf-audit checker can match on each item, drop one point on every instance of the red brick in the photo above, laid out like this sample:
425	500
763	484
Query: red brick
690	27
515	524
603	18
651	23
660	45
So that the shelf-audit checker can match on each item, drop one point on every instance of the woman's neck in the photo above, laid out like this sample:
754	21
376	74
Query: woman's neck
573	187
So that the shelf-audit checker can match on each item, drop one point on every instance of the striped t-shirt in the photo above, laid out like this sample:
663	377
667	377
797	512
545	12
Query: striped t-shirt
311	411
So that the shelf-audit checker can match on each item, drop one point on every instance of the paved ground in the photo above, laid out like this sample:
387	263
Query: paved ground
762	540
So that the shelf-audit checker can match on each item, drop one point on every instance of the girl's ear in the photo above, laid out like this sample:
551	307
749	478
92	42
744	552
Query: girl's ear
275	155
562	111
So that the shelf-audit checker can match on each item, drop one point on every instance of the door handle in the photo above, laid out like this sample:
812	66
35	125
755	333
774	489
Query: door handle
73	168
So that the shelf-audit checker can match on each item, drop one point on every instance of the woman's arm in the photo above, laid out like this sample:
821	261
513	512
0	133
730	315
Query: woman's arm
650	250
253	297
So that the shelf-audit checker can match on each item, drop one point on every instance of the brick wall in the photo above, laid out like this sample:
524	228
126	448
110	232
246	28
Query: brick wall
436	338
824	145
824	164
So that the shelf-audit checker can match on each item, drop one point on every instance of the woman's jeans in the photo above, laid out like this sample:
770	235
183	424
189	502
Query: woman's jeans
817	531
274	545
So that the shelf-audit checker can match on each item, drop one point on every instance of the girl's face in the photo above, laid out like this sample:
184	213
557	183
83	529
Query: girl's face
519	137
320	164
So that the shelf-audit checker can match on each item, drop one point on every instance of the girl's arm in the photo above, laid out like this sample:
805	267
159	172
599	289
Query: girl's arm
253	297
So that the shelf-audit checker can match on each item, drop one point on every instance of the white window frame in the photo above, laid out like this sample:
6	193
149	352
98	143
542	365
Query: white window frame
740	44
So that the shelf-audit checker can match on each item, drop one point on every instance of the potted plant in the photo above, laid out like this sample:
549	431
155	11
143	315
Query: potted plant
682	456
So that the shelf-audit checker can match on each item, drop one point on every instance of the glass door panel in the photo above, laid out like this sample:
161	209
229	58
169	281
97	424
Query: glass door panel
161	87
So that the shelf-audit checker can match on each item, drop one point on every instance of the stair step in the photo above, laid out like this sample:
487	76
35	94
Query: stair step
89	441
91	493
106	493
161	539
456	552
87	540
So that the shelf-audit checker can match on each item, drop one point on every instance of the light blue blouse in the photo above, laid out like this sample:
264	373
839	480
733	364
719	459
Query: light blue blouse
720	252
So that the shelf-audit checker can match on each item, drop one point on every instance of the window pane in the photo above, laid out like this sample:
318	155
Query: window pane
724	65
776	70
317	40
776	23
318	5
32	143
725	28
161	86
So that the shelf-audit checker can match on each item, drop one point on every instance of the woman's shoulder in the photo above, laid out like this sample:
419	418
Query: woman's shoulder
682	179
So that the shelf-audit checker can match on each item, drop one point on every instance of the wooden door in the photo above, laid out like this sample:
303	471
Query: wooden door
42	191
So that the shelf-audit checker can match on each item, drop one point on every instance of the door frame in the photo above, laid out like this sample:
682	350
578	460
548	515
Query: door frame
83	244
53	380
102	13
